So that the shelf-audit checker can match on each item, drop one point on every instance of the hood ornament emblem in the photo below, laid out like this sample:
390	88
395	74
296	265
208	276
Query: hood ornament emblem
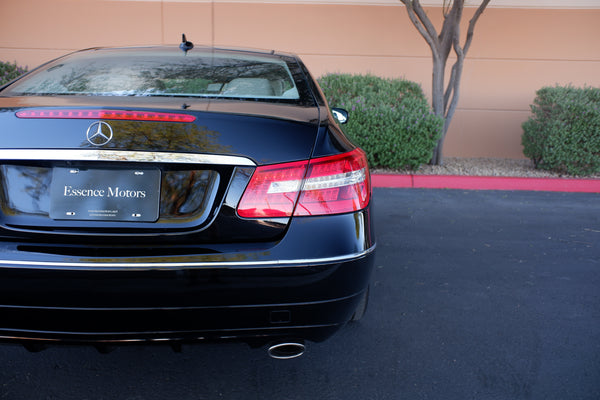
99	133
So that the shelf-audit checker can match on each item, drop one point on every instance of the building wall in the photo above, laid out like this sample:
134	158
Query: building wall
518	47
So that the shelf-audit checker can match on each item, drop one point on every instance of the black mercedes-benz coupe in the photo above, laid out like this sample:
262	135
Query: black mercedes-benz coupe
173	194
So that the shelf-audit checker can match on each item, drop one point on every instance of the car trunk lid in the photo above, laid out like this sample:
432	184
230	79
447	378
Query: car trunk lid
152	178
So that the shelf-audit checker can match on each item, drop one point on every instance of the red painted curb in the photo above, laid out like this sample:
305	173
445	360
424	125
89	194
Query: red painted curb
486	183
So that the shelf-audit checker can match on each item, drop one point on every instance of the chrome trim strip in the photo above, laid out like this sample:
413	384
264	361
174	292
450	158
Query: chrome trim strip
19	338
123	155
100	266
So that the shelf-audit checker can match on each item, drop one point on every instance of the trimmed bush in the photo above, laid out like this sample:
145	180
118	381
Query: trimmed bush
9	71
390	119
563	134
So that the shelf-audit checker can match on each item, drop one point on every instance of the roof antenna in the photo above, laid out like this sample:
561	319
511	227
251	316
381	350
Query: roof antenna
185	45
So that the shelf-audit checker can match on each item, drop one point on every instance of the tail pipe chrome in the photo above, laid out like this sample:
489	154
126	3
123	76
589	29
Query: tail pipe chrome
286	350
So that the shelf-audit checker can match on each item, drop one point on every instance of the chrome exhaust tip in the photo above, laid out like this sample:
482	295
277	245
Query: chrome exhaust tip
286	350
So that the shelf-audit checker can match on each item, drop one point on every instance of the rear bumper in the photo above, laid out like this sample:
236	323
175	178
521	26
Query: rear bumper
254	298
307	302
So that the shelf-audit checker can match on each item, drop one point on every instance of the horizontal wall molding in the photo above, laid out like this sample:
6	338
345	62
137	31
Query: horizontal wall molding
535	4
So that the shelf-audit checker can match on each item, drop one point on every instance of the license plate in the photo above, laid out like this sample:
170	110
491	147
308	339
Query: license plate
105	194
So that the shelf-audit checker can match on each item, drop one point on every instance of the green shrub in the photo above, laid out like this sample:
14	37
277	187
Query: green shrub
390	119
563	133
9	71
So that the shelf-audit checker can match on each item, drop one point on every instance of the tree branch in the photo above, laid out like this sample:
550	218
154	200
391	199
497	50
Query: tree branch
472	23
453	88
454	83
419	18
424	18
451	25
450	87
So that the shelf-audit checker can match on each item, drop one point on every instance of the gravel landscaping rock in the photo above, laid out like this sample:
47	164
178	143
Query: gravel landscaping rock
483	167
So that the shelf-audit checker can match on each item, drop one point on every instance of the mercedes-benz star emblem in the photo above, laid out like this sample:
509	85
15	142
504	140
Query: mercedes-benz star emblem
99	133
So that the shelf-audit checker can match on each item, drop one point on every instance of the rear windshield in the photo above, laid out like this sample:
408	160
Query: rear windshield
201	73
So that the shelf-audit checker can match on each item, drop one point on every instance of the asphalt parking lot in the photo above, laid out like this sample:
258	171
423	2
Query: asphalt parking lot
476	295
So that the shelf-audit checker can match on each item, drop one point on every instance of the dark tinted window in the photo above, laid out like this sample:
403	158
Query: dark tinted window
164	72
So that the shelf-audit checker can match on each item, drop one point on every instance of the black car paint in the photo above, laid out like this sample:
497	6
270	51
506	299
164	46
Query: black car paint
253	280
212	132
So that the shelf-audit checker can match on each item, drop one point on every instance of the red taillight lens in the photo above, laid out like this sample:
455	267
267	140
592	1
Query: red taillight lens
107	114
328	185
273	191
335	185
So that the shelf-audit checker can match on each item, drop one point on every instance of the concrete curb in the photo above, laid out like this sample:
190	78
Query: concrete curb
486	183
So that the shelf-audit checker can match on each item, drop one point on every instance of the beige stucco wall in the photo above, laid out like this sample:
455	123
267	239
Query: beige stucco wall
515	50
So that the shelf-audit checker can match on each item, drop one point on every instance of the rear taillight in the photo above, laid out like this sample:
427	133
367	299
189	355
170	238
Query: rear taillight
106	114
328	185
273	191
335	185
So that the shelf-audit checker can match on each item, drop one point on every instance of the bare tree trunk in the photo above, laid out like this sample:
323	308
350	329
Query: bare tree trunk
444	99
437	103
